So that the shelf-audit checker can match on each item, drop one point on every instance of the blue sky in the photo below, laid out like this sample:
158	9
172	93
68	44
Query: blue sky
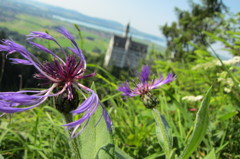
144	15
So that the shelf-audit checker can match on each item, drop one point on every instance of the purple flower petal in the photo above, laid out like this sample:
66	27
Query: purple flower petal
161	82
41	35
76	49
74	134
144	75
85	76
16	99
41	48
8	105
7	109
107	118
125	88
79	53
20	61
45	50
78	122
86	104
64	32
19	98
12	47
4	48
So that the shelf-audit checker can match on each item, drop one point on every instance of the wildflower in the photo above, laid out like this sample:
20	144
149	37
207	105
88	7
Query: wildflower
193	98
233	61
226	82
144	87
61	74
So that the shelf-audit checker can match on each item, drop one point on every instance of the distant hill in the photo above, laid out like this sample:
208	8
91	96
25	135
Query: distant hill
34	7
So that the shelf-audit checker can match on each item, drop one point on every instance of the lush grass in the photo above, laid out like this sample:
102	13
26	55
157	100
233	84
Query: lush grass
38	133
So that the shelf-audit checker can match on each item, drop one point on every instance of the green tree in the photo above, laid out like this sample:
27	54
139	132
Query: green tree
189	28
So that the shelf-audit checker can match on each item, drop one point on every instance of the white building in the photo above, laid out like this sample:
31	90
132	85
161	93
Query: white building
123	52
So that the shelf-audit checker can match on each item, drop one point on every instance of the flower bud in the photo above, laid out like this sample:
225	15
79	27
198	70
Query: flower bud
149	100
66	105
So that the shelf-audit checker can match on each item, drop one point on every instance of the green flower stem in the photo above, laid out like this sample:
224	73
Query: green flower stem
74	144
163	134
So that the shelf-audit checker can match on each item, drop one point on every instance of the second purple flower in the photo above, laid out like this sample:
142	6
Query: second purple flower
144	87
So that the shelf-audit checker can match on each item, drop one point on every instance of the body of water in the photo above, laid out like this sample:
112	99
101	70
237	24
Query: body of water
107	29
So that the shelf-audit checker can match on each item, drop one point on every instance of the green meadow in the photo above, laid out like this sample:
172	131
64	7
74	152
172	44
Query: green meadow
24	24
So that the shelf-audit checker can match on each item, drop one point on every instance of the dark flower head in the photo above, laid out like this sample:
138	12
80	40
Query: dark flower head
62	74
144	87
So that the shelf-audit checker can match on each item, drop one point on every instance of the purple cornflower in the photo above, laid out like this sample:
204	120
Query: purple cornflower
144	87
61	74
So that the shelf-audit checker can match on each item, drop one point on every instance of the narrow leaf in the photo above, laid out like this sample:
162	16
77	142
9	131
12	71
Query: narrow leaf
200	127
80	35
120	154
211	155
163	133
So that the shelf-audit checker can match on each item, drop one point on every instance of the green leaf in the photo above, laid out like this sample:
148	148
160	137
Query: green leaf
200	127
211	155
80	35
228	115
96	140
154	156
120	154
106	73
163	133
